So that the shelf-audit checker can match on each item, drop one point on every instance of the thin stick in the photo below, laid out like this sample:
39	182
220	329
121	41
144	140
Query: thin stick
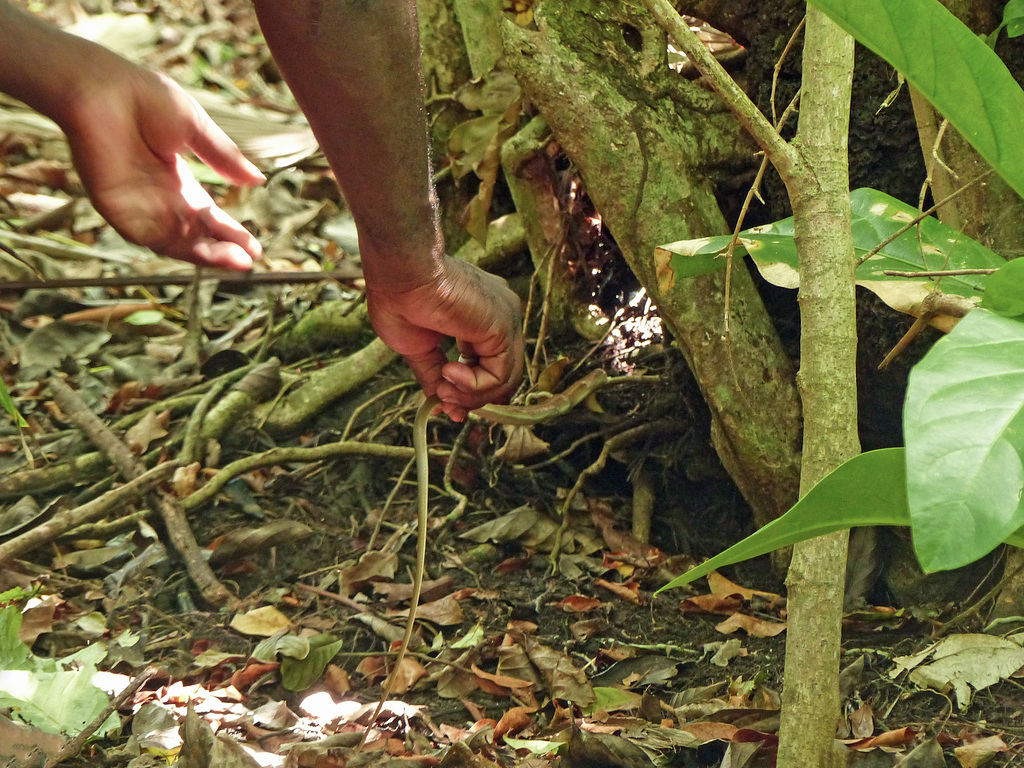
224	277
917	219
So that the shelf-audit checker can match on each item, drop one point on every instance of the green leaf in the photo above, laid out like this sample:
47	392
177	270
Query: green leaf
1013	18
876	217
1004	291
8	405
299	674
964	427
145	317
869	489
536	746
64	701
954	69
14	654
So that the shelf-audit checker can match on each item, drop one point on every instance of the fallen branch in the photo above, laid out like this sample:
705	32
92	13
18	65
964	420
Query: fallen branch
62	522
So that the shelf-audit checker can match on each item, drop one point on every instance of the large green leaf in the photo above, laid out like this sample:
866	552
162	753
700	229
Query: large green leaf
869	489
876	217
952	67
964	428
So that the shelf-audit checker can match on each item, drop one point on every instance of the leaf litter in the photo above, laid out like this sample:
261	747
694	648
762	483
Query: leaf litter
519	659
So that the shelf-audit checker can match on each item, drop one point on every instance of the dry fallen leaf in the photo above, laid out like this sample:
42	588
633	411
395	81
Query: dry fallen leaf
578	604
751	625
629	590
980	752
262	622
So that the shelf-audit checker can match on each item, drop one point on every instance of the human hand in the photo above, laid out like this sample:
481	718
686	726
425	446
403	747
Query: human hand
127	129
479	311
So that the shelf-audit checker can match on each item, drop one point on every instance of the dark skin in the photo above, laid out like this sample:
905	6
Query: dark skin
353	66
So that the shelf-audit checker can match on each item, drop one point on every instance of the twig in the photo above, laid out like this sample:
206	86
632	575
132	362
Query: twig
782	155
611	444
921	216
283	455
190	448
178	530
62	522
74	746
938	272
109	444
222	276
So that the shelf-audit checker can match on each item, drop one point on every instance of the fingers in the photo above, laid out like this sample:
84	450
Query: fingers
218	151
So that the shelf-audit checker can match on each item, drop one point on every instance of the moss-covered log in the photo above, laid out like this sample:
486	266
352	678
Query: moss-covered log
648	145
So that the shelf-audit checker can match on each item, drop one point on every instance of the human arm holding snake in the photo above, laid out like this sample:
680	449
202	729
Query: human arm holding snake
353	66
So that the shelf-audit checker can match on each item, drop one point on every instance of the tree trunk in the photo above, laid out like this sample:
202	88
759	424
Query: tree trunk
648	145
828	345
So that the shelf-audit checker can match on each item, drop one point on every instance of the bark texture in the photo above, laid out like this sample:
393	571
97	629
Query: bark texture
828	345
649	145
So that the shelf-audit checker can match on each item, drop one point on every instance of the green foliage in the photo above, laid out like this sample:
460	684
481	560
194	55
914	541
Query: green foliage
1013	22
299	674
869	489
1004	291
876	217
953	68
57	696
964	429
959	482
8	405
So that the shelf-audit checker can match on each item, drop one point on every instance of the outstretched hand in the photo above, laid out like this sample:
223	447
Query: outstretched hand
127	133
479	311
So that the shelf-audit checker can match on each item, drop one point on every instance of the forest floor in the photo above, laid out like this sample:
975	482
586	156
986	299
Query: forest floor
542	636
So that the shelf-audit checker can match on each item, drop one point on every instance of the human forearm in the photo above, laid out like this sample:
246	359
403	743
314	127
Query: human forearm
353	66
40	65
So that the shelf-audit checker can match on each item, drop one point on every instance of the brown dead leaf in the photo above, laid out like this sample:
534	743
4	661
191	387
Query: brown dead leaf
502	681
898	737
149	428
372	565
445	612
629	590
725	605
709	731
184	479
862	722
513	721
720	585
578	604
262	622
431	590
337	680
980	752
521	445
751	625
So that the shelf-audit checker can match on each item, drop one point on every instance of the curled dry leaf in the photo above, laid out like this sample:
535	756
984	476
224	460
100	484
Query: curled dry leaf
184	479
150	427
514	721
521	445
629	590
980	752
751	625
578	604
